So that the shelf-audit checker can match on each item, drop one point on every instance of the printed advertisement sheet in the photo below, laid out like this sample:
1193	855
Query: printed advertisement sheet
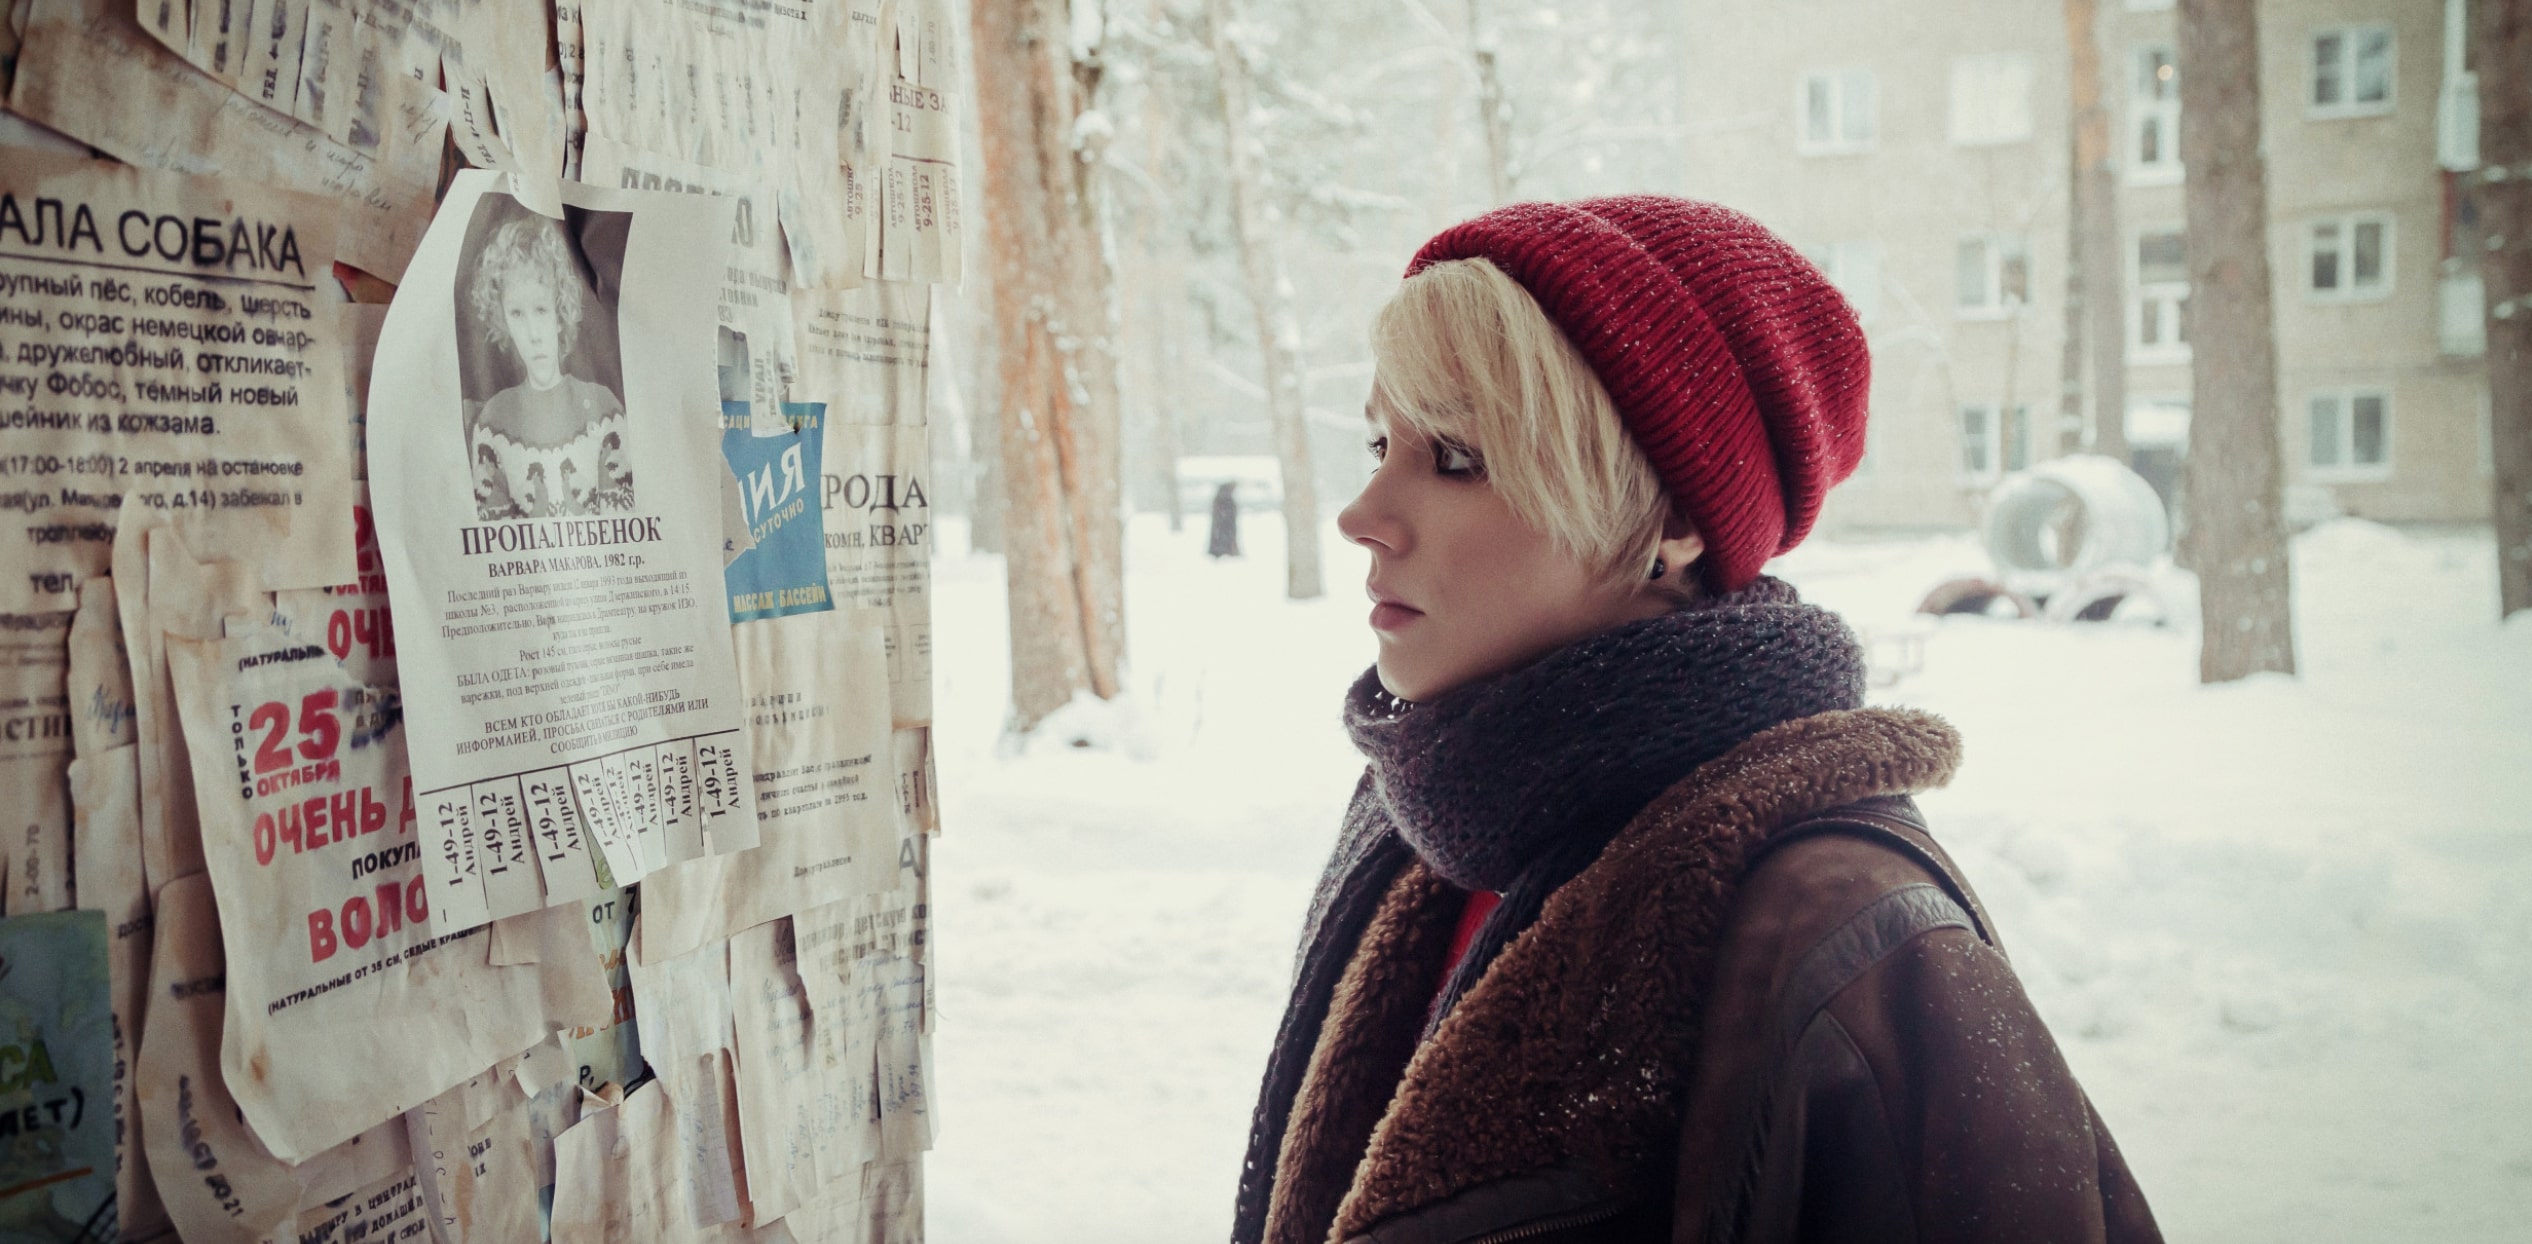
165	339
89	69
309	830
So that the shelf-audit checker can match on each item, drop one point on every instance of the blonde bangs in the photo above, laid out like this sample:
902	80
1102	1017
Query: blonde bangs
1462	352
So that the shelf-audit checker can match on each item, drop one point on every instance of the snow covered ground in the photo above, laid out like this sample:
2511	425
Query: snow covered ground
2282	929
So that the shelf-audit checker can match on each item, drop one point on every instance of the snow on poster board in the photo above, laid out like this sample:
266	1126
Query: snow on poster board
552	550
167	341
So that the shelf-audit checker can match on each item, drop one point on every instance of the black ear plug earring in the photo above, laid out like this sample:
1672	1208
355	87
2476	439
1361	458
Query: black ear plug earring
1658	567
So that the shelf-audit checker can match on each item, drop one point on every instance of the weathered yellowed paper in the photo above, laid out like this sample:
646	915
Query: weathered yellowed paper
344	1009
88	69
554	551
822	749
100	681
622	1177
105	790
35	750
470	1148
774	93
168	342
219	1184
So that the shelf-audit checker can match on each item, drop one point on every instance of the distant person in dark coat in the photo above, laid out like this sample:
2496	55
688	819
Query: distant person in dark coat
1226	522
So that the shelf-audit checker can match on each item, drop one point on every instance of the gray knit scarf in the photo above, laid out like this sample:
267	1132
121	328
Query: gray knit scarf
1517	782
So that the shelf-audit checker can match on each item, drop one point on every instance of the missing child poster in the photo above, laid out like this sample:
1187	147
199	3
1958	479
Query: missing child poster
544	425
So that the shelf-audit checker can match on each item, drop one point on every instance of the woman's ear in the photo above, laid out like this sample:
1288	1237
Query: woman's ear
1679	549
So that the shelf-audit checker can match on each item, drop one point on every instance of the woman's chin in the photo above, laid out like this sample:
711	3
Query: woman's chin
1395	681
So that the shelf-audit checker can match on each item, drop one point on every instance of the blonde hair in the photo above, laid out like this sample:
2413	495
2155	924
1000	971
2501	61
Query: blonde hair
1463	353
530	249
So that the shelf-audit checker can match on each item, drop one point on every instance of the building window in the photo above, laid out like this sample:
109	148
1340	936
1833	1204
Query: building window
2154	116
1994	275
1855	268
1984	445
2350	434
2158	312
2352	71
1991	99
2462	315
1836	111
2158	422
2349	257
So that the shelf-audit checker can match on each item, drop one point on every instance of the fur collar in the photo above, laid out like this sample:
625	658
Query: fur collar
1575	1045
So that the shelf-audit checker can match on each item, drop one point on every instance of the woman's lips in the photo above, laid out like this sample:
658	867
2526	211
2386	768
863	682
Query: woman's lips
1391	616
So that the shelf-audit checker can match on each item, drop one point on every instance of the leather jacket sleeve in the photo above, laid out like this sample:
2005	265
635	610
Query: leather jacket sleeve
1873	1071
1925	1101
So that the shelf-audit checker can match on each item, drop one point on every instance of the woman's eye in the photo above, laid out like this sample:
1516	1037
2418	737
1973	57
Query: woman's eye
1455	459
1379	446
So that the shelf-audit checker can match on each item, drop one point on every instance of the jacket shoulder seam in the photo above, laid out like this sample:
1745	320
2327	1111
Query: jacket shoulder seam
1845	953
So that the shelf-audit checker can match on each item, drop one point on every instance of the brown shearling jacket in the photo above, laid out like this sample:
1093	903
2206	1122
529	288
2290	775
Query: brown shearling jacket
1867	1067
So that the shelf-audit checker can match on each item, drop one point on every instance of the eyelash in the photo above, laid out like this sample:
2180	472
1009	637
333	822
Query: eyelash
1442	452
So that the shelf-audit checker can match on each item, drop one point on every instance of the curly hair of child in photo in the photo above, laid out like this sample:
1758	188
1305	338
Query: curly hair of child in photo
552	444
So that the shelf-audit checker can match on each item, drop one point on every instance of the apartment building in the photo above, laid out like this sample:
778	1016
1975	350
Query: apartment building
1920	153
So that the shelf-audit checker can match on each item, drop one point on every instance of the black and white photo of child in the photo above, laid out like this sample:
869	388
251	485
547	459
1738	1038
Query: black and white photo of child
539	363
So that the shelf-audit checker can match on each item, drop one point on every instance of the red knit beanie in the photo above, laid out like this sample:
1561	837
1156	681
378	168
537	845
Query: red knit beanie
1740	371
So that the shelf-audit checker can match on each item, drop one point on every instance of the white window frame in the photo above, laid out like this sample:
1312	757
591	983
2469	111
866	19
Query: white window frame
2149	6
2348	105
2345	468
1854	267
2165	296
1990	442
2144	110
2461	314
2347	289
2139	407
1840	84
1991	73
1994	306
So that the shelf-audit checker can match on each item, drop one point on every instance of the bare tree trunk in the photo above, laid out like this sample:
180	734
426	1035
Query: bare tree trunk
1261	263
1057	360
1494	112
2504	36
1167	393
2237	529
2096	309
976	370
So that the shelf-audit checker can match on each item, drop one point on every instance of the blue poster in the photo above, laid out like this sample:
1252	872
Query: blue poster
777	475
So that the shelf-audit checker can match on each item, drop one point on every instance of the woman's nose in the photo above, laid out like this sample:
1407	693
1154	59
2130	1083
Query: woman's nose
1368	520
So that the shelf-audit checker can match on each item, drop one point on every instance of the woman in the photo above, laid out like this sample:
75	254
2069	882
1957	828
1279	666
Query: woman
552	444
1631	931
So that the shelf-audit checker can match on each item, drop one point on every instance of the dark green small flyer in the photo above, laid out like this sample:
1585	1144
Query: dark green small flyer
56	1078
